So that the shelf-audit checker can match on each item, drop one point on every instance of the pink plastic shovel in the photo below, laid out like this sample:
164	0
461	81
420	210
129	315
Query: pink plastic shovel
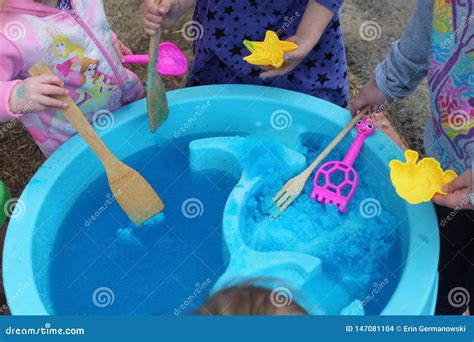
171	60
336	181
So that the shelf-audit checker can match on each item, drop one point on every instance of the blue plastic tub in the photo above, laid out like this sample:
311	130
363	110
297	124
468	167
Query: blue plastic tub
58	259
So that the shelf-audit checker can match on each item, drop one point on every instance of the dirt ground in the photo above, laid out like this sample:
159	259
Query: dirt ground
410	115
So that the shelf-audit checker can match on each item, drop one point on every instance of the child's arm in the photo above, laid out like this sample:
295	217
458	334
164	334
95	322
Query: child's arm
459	193
315	20
119	47
166	14
406	65
9	69
30	95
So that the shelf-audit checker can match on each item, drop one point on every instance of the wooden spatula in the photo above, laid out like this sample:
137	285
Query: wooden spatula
156	100
132	191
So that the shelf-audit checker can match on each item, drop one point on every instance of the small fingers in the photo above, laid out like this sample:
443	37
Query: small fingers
50	79
152	29
293	56
119	53
278	72
164	9
357	105
449	201
458	183
152	18
268	74
54	90
151	7
126	50
458	199
439	199
52	103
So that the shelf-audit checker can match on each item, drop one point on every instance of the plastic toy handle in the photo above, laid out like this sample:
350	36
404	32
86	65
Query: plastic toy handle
136	59
354	150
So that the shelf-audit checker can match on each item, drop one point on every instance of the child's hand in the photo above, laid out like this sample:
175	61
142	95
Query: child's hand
292	59
165	15
313	24
36	94
370	94
459	193
121	49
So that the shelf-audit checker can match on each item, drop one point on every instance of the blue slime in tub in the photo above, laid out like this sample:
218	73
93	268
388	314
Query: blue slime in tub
158	267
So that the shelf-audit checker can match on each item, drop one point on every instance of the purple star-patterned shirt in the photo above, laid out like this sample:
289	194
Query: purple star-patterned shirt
219	49
64	5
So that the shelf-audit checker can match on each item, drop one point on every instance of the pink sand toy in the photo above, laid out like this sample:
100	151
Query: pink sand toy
171	60
336	181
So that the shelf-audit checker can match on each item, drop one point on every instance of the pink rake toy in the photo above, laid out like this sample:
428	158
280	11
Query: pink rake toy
336	181
171	61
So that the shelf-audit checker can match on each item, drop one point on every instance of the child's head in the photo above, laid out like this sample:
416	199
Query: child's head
250	300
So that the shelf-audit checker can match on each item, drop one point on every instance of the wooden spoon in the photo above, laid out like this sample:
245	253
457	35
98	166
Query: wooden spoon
136	197
156	100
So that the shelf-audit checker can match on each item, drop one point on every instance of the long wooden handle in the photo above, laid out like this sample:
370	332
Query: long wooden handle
337	140
77	119
156	100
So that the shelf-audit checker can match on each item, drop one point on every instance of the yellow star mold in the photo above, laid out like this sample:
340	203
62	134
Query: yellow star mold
418	182
269	52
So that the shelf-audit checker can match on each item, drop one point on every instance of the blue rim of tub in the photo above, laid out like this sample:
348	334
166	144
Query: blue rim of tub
420	261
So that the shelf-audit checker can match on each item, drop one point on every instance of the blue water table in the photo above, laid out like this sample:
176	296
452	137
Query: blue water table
215	162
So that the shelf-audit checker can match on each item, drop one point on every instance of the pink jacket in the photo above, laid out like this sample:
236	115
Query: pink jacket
78	47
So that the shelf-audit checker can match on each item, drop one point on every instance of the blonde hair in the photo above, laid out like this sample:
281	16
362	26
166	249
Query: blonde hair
69	45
